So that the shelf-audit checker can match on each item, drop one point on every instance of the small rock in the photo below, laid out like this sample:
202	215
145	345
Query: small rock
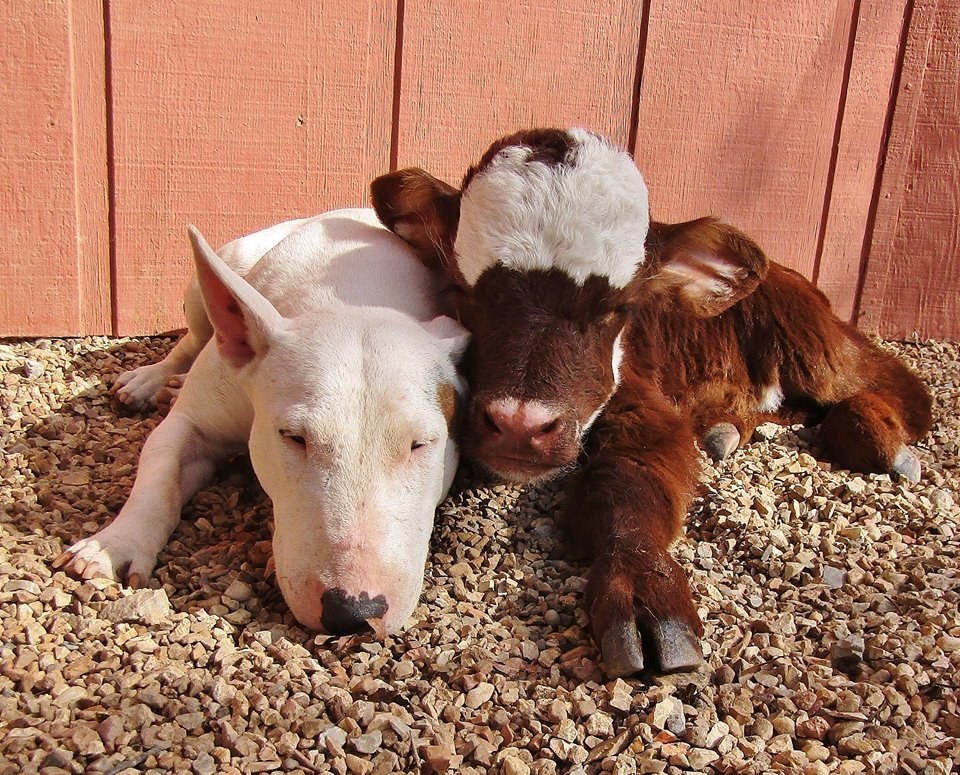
701	758
833	577
855	745
239	591
621	697
779	744
22	585
368	743
814	728
403	670
717	733
668	714
78	478
479	694
357	765
766	431
760	727
847	652
461	570
567	730
32	369
87	741
599	724
146	606
511	765
942	500
856	486
204	764
58	757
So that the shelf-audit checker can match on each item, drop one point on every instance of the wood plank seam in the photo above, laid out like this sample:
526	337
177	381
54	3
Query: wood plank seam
397	86
638	78
111	171
835	150
892	101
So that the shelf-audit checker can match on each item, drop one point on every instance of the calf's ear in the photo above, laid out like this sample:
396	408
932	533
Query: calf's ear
243	321
424	212
706	264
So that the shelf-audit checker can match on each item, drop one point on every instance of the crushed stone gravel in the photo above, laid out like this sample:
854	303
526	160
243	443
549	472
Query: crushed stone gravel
830	603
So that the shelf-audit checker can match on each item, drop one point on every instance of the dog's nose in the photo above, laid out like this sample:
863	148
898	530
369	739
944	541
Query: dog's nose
523	422
345	614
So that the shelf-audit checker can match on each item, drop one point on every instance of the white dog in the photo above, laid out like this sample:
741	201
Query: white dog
330	360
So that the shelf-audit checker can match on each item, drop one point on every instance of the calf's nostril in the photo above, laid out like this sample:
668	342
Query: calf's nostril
491	422
549	428
345	614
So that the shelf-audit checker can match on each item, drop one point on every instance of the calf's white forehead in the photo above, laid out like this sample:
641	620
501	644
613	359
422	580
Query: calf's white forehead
587	216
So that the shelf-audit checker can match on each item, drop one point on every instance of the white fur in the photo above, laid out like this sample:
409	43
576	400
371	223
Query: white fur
770	398
587	217
348	357
617	362
704	275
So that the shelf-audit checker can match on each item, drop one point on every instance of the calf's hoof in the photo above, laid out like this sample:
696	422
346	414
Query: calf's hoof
721	440
671	643
905	465
643	616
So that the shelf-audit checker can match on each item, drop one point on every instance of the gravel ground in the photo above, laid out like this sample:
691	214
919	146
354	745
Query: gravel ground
830	604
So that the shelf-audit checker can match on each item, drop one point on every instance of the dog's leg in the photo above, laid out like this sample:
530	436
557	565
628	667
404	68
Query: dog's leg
159	382
177	460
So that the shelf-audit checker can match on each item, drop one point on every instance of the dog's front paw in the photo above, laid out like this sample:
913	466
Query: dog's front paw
139	388
106	556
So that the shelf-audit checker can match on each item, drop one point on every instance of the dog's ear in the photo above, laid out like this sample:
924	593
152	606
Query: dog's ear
450	333
424	212
244	322
706	264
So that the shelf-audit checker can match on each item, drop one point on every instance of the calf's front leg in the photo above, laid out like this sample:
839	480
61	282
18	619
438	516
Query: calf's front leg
628	502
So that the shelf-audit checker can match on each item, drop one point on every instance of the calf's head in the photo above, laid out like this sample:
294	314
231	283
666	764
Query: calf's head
550	249
353	412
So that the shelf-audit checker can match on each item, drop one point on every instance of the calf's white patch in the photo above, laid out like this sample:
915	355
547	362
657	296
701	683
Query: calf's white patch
588	216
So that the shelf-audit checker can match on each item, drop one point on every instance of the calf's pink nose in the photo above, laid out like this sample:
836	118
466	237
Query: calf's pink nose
528	422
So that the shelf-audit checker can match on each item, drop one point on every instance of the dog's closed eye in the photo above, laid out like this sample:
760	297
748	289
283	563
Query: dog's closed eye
293	438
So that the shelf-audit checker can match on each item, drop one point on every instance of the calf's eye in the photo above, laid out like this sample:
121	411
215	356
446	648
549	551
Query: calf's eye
414	445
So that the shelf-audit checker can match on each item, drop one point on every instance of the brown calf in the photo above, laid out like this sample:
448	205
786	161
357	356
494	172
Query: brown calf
604	345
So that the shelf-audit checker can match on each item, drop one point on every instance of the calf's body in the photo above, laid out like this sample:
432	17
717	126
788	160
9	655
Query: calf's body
331	364
603	346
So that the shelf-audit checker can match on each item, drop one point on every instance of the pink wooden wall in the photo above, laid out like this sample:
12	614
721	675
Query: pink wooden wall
828	130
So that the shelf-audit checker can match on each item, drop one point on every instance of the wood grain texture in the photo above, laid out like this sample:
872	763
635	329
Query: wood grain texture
738	111
234	116
912	282
54	278
856	173
475	71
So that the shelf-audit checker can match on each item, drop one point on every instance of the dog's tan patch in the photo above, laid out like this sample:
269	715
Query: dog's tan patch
450	405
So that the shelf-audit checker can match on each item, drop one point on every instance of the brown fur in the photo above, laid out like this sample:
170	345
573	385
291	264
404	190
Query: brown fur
708	326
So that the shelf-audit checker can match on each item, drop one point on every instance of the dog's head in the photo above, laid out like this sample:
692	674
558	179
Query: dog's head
354	413
548	244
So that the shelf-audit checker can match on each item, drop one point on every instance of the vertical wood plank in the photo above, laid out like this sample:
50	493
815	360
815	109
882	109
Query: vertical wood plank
912	282
475	71
873	67
89	96
738	112
54	278
234	116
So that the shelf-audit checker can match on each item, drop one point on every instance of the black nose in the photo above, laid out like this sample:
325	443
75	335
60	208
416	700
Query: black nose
345	614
